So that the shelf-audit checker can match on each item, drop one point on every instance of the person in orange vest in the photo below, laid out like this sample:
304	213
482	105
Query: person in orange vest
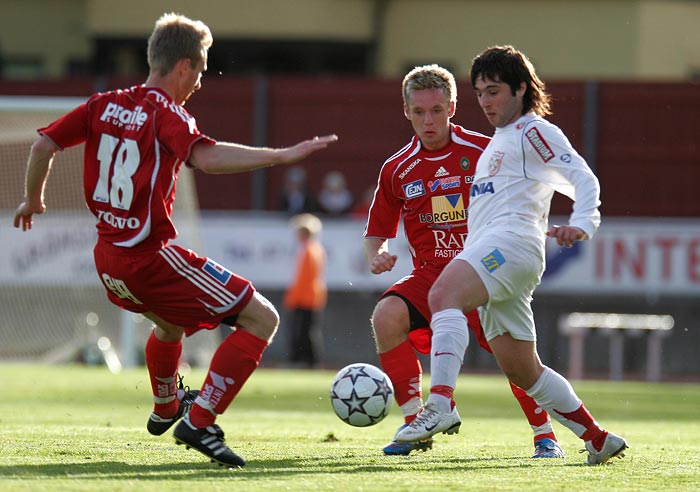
307	294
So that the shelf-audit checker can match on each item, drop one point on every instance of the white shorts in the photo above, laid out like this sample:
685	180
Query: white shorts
510	267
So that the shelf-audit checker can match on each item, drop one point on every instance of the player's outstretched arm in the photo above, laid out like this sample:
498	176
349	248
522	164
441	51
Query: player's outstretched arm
38	166
227	158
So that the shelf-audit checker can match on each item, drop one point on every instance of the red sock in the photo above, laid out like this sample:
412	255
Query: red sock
443	390
233	363
536	415
404	370
162	361
594	432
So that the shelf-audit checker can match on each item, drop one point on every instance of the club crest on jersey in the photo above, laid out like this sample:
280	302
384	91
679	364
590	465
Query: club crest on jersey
446	208
493	261
414	189
540	144
464	163
495	162
444	183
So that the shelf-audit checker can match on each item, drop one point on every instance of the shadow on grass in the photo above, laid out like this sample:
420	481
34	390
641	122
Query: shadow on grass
269	468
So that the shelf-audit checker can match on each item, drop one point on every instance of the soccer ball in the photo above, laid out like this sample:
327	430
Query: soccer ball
361	394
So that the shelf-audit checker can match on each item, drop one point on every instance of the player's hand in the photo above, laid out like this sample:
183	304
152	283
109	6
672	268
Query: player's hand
303	149
383	262
566	235
25	213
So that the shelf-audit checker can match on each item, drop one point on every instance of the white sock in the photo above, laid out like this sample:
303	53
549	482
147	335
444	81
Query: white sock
554	393
449	343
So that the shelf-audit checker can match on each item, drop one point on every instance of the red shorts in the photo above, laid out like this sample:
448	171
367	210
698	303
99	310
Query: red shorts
414	288
172	282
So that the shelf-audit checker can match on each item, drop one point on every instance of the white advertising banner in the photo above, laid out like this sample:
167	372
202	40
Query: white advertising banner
57	250
627	256
263	249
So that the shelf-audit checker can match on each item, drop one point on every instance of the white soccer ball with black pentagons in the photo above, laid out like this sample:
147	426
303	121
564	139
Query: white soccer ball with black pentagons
361	394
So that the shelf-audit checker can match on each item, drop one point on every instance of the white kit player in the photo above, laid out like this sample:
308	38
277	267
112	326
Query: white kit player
426	185
503	259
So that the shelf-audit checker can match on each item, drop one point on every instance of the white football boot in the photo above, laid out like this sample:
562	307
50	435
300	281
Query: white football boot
429	422
612	447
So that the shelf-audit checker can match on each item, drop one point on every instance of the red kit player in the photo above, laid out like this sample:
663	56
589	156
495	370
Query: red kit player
136	141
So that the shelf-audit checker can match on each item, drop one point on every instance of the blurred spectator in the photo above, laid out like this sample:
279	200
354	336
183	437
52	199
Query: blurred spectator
296	197
334	197
361	209
306	296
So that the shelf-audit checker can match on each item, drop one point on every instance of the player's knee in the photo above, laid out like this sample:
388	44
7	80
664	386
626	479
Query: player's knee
168	332
165	331
388	319
269	321
438	298
260	317
390	323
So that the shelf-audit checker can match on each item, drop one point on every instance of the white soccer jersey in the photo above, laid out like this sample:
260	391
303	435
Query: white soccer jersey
516	176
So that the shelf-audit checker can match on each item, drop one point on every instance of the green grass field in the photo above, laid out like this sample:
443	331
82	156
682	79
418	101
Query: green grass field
83	429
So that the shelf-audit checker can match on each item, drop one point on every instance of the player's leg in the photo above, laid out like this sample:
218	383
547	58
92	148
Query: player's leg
235	360
545	440
162	353
458	289
546	444
231	366
139	283
520	362
391	325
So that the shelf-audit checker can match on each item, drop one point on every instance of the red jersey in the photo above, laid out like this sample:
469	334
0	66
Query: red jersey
135	143
430	189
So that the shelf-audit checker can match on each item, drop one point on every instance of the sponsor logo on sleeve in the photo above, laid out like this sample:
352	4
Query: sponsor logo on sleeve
540	144
414	189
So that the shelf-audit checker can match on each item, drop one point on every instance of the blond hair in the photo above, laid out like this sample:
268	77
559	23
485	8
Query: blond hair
176	37
429	77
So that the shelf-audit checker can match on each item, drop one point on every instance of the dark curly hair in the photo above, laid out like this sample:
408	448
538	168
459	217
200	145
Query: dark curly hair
508	65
